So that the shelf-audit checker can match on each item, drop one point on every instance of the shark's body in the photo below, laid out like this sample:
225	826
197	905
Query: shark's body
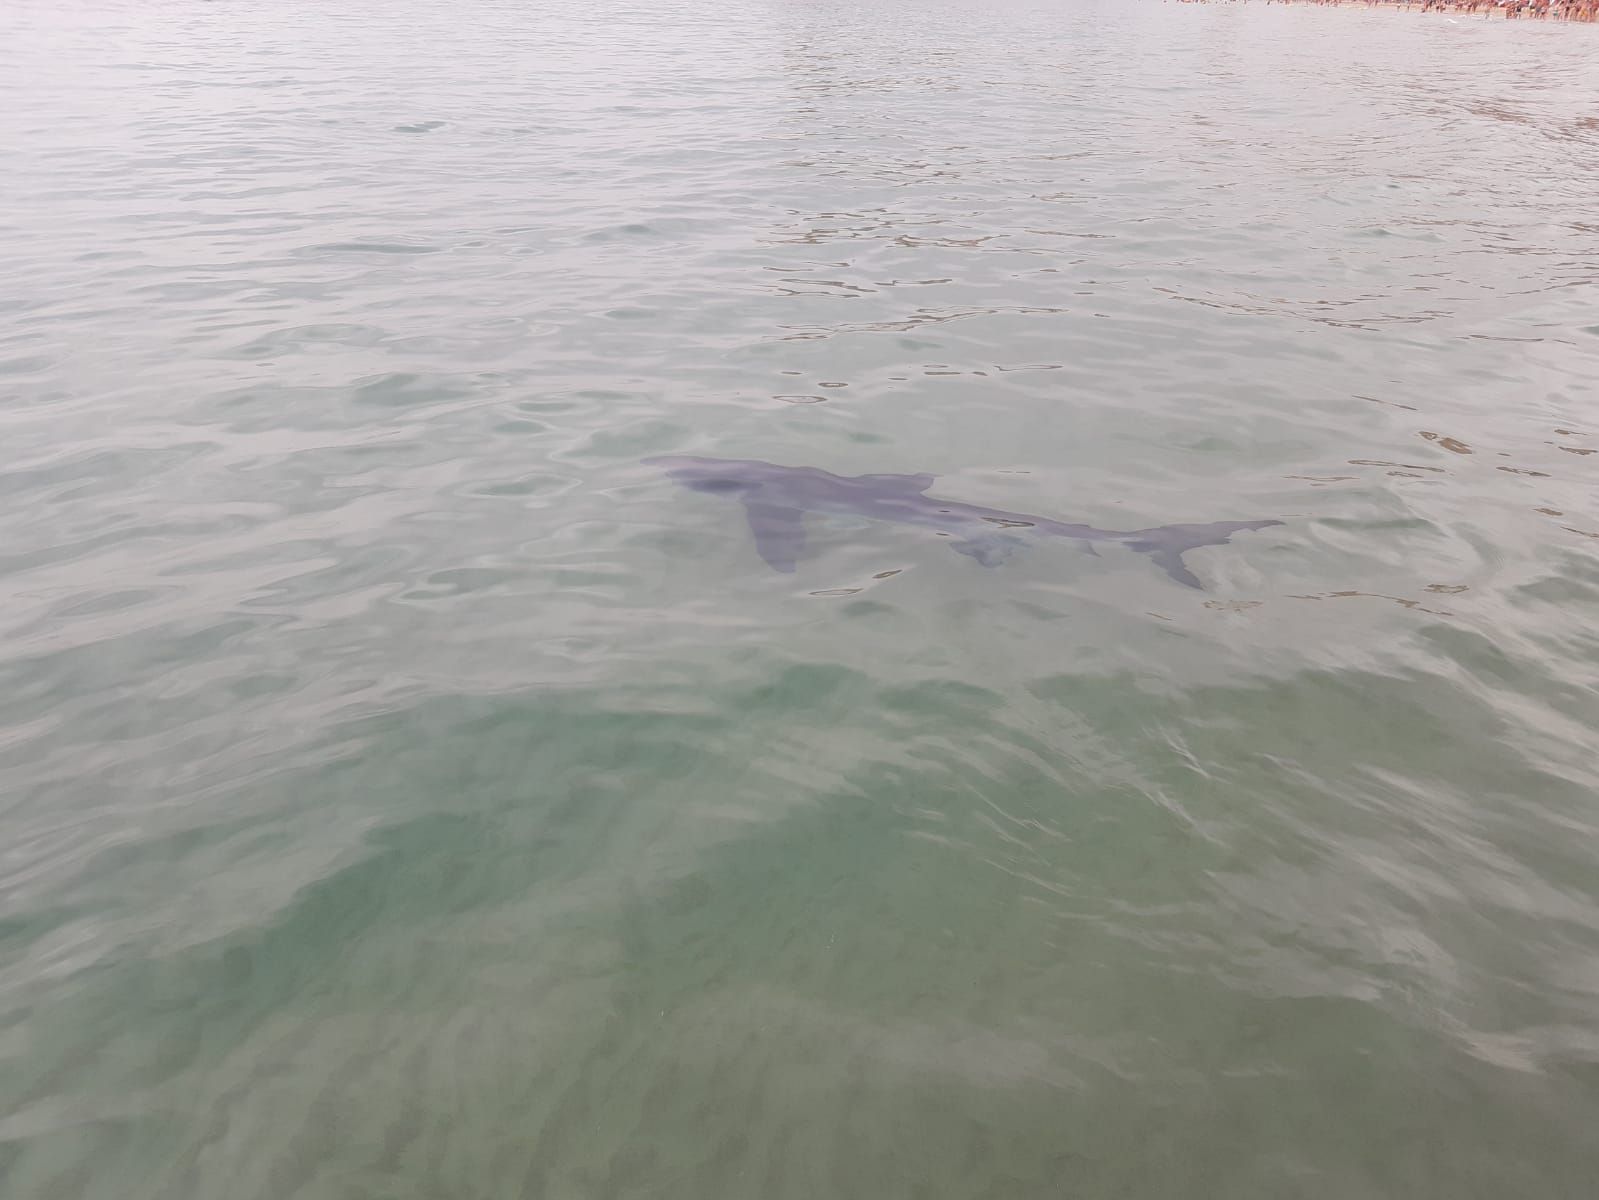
776	499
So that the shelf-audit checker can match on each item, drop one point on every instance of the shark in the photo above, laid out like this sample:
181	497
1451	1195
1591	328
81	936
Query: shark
776	499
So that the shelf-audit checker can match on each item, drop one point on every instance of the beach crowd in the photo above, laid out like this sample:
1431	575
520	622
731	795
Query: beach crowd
1533	10
1537	10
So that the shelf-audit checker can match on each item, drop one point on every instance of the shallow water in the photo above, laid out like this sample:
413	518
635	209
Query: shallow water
408	793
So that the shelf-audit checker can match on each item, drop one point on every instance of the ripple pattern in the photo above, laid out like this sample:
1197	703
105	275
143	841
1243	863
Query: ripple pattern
405	792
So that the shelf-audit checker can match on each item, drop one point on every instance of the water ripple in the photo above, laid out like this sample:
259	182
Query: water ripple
407	792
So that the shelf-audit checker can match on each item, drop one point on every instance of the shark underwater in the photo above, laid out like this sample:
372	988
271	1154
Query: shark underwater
776	499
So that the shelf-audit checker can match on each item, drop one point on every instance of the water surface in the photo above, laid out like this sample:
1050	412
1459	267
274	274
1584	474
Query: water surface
408	793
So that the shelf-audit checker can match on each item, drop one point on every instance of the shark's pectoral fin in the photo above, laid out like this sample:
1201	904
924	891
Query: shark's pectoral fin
1171	561
779	534
988	549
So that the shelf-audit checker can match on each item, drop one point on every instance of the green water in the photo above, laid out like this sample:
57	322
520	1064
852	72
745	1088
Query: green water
407	793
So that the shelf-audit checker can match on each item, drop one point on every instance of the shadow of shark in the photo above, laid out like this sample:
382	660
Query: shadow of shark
776	499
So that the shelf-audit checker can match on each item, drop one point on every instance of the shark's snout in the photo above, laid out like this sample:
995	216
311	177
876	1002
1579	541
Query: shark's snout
702	474
721	485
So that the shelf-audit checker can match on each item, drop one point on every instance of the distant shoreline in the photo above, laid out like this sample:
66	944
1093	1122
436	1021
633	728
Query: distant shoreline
1570	11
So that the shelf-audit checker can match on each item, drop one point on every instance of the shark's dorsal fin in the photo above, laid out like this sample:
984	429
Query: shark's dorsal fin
909	483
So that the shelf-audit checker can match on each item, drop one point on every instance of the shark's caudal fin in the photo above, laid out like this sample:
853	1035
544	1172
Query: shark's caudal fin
1166	544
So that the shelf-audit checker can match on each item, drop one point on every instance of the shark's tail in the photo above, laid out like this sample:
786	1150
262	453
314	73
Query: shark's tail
1166	544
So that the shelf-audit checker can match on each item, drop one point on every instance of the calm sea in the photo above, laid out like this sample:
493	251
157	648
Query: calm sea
406	793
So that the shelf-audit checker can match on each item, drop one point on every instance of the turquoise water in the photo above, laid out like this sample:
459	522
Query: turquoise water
405	792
